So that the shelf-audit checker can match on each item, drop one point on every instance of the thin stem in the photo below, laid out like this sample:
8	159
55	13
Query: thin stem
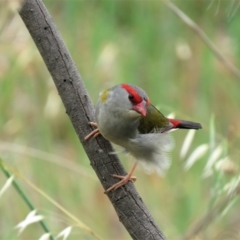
24	197
191	24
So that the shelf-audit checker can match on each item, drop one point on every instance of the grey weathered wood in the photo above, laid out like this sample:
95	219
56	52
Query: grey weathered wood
129	206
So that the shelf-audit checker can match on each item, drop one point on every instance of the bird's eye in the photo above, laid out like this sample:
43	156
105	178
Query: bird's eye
130	97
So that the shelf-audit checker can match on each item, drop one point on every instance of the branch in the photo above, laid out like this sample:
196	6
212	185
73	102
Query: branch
191	24
128	204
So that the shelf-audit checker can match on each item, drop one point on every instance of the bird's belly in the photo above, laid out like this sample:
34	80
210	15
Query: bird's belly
116	126
115	134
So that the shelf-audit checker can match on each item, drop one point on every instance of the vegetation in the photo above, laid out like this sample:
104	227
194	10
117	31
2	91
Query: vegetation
139	42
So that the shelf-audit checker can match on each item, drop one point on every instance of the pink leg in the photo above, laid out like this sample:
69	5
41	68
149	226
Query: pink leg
124	179
94	133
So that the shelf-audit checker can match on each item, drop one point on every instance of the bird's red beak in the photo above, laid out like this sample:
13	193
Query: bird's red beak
141	108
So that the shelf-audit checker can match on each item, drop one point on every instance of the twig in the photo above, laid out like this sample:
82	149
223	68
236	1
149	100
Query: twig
129	206
191	24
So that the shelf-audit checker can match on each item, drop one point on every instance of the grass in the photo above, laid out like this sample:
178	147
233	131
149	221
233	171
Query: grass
131	41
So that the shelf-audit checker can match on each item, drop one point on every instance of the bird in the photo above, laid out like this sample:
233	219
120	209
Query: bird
126	117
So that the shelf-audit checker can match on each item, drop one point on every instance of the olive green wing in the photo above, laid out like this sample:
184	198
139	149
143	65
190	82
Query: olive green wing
154	121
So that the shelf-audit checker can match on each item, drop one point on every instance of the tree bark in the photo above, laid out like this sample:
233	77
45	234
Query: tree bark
129	206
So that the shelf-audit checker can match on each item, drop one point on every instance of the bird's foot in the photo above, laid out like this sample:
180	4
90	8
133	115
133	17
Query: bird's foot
94	133
124	180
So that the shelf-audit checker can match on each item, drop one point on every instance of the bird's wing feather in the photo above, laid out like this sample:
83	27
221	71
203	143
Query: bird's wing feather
154	121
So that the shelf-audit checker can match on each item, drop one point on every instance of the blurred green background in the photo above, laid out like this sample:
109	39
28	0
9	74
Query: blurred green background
139	42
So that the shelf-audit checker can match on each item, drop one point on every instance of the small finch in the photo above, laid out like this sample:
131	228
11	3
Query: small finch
126	117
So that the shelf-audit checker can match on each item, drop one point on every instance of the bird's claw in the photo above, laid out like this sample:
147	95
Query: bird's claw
94	133
124	180
93	124
132	178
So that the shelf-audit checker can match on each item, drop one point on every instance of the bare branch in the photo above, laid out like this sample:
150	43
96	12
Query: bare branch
128	204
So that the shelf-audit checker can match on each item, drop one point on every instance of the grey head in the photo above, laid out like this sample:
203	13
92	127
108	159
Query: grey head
116	117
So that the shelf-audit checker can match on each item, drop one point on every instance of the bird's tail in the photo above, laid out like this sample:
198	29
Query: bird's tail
184	124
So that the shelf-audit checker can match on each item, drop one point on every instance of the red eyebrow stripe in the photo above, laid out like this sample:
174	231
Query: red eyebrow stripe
137	99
